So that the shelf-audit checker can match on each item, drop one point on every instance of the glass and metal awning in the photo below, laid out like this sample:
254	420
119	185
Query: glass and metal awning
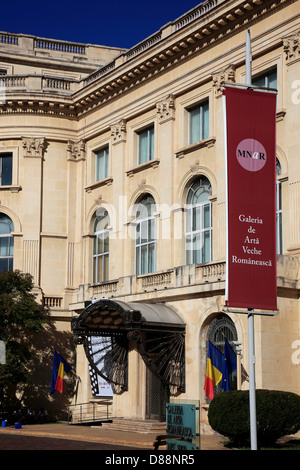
108	329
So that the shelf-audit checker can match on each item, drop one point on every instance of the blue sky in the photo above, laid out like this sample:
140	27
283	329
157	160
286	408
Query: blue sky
115	23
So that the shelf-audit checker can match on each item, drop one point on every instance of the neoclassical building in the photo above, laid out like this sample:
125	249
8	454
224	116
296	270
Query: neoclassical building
112	195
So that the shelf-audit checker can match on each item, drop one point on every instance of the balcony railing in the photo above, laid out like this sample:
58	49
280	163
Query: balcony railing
179	277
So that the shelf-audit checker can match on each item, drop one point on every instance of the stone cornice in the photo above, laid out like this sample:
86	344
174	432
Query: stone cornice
177	46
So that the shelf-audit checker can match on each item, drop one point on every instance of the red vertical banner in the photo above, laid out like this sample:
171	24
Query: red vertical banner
250	148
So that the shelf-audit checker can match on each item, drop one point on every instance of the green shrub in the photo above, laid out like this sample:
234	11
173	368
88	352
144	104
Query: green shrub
277	414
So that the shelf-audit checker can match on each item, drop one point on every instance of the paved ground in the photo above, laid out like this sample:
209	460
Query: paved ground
73	437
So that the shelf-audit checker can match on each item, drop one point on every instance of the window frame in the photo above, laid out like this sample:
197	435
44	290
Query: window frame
203	134
192	211
10	244
10	156
104	255
97	152
150	152
151	243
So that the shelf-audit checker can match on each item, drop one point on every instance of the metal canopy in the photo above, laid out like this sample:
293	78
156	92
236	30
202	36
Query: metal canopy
108	329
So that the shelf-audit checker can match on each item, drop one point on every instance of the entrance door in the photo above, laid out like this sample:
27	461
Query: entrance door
157	395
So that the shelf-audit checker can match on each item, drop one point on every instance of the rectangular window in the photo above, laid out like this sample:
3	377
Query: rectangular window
198	122
146	145
5	169
267	80
102	160
101	257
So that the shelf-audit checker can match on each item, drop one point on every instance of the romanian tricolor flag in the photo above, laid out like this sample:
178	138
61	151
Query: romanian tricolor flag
213	370
60	368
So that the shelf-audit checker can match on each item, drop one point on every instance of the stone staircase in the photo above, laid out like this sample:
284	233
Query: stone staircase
134	425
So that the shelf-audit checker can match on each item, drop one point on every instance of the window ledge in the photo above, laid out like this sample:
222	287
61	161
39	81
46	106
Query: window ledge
12	188
105	182
210	142
142	167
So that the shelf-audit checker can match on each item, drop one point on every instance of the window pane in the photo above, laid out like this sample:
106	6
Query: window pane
143	147
198	123
11	246
106	242
151	266
3	265
206	215
137	260
144	259
146	145
144	232
196	217
206	247
4	246
102	164
106	268
6	167
197	248
194	116
205	122
151	230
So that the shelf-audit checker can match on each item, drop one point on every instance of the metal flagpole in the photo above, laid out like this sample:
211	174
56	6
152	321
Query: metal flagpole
251	342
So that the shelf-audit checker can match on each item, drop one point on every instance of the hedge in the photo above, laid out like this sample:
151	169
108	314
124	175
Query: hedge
277	415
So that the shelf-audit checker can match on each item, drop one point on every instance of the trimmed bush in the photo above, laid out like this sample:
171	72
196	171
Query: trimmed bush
277	415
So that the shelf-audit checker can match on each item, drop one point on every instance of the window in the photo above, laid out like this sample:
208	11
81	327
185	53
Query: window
198	222
278	209
198	122
267	80
101	248
145	247
102	160
146	145
6	243
5	169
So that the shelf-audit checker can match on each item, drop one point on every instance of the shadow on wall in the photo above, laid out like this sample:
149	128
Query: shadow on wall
35	394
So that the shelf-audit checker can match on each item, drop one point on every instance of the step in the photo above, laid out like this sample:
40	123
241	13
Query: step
133	425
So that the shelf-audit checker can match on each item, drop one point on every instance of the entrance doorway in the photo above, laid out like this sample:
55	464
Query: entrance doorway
157	396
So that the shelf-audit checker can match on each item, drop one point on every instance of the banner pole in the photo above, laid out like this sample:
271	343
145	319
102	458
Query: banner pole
251	341
252	398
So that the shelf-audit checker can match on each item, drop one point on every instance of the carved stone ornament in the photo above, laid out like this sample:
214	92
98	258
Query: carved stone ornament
166	109
33	147
223	76
118	132
76	150
291	47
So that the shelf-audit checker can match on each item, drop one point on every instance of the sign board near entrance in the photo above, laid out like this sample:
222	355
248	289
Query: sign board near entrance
250	148
181	420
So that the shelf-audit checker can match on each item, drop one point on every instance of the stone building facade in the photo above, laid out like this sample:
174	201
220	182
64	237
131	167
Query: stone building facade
113	187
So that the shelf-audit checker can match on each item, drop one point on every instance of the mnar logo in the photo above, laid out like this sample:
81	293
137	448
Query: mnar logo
251	154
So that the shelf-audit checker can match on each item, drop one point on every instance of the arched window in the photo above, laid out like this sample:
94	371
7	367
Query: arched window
145	242
198	233
220	328
6	243
278	208
101	247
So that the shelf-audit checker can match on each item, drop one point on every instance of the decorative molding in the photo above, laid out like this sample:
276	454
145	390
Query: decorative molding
34	147
142	167
166	109
76	151
221	77
205	143
118	132
291	47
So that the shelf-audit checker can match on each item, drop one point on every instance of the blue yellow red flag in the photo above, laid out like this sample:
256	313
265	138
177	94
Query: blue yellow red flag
213	370
60	368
